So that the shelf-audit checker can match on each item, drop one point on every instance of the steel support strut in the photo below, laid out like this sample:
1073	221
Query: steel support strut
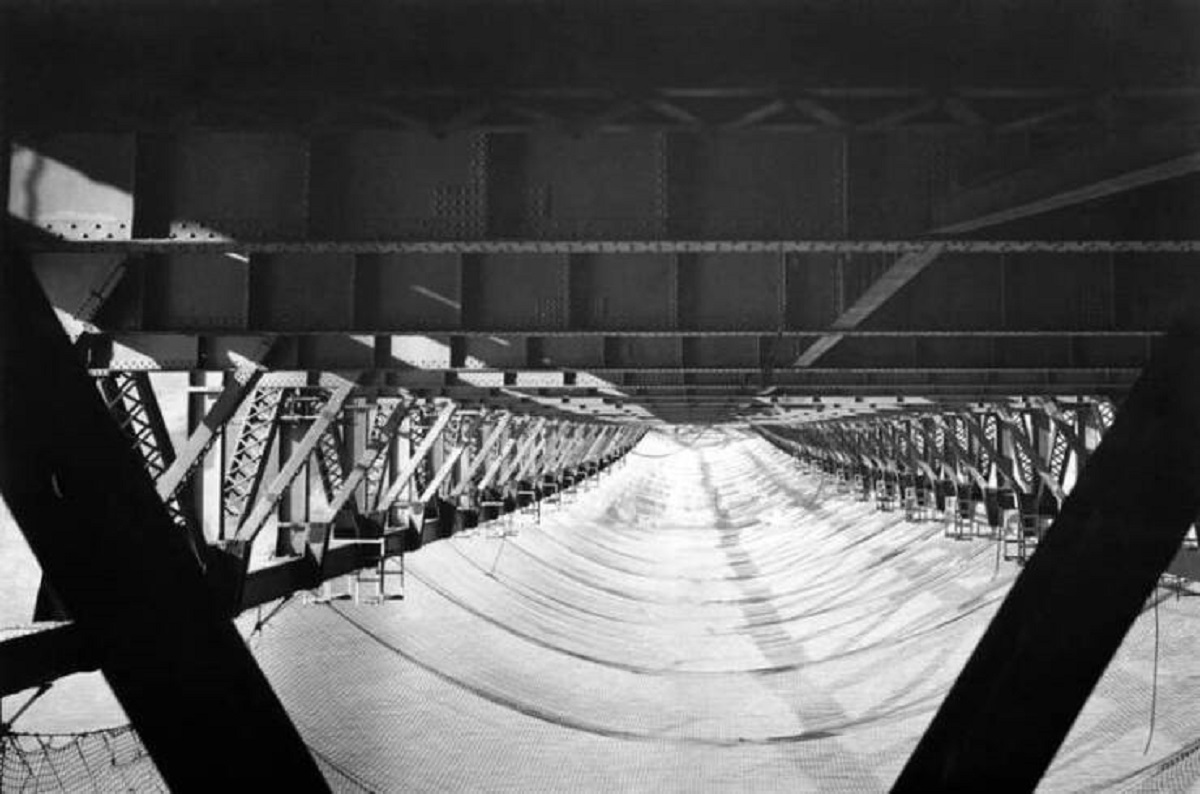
485	448
387	422
288	471
418	457
1066	615
104	538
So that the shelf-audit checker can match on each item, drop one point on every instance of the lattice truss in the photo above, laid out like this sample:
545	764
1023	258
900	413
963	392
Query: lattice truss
131	401
1033	452
254	439
370	454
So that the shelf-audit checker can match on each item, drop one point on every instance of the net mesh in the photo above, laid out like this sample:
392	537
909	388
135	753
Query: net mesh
106	760
705	620
109	760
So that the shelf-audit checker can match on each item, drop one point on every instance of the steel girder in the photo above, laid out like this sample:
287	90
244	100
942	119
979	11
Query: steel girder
565	447
265	506
332	458
493	437
1013	110
967	444
250	455
239	385
531	436
83	499
417	459
133	404
386	422
1034	668
217	243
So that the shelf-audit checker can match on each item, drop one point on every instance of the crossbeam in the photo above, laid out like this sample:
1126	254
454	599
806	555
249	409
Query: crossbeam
218	244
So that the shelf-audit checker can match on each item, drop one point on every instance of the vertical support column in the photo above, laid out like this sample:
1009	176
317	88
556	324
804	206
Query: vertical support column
293	503
356	428
401	453
209	465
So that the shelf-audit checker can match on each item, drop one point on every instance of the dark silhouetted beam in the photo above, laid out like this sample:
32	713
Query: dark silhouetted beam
106	543
36	658
1066	615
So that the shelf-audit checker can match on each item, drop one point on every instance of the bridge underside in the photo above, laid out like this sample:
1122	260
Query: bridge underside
681	217
349	283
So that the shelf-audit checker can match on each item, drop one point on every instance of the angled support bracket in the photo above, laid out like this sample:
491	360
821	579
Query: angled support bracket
489	442
410	466
381	436
530	438
275	490
499	461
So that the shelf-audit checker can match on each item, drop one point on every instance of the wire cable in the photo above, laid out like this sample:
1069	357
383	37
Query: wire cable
1154	680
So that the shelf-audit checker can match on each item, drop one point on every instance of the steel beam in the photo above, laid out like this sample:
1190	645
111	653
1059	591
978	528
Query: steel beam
1076	178
901	272
85	504
575	451
530	436
1018	695
564	442
962	459
218	244
492	438
1022	440
602	441
267	502
532	449
381	436
238	387
133	404
989	451
250	454
490	475
418	457
442	473
332	456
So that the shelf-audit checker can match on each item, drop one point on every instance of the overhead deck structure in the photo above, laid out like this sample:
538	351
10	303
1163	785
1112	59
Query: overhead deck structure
443	260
